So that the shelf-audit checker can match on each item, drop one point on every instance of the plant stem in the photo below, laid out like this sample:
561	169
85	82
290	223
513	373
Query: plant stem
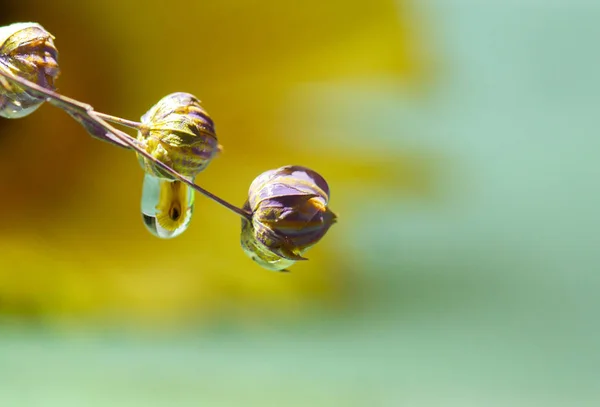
125	138
124	122
77	109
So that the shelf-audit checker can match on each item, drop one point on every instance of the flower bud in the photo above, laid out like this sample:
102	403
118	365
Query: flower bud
289	216
26	50
180	133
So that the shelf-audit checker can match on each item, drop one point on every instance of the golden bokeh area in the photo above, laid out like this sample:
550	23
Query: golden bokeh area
72	242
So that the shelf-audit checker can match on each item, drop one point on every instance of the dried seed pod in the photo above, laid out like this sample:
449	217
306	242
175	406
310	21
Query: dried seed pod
26	50
289	216
180	133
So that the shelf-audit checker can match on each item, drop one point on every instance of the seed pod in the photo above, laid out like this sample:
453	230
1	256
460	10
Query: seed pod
180	133
26	50
289	216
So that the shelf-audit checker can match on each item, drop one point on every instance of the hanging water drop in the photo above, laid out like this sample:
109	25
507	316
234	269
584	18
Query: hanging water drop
14	109
27	50
167	206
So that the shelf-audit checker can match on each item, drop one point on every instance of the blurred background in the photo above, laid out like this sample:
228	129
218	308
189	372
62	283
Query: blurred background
459	139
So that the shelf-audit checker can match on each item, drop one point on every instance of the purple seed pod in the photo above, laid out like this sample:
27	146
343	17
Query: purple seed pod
289	216
26	50
180	133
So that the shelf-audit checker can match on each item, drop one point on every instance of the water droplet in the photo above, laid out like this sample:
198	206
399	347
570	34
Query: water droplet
13	109
167	206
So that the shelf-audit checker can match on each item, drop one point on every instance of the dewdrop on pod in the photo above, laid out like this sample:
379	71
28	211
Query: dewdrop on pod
27	50
178	132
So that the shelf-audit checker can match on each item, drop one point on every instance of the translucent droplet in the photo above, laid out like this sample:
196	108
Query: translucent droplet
15	109
167	206
27	50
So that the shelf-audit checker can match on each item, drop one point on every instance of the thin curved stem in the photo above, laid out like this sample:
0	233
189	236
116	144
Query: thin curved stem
76	109
93	122
124	122
125	138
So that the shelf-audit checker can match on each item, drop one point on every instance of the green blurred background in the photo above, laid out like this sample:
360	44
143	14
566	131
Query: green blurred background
460	142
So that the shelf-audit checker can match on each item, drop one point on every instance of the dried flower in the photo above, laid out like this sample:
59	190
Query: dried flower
26	50
180	133
289	216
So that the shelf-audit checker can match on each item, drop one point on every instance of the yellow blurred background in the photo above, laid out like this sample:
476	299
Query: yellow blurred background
459	139
74	244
